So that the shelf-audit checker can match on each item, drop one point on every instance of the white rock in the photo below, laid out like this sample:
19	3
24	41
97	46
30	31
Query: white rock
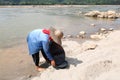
105	14
111	29
110	12
102	29
64	37
92	24
77	36
118	14
82	33
112	16
92	13
69	36
100	16
96	37
89	46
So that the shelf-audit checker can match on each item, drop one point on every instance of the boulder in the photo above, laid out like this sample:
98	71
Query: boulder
109	14
92	13
118	15
113	16
101	15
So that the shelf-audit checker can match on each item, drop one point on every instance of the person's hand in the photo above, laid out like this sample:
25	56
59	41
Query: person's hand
52	62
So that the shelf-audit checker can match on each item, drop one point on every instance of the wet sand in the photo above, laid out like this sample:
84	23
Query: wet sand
15	62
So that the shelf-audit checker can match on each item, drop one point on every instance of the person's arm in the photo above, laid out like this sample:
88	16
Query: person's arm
45	45
47	52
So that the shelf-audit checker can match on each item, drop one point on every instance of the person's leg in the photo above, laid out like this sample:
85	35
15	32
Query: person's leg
36	61
36	58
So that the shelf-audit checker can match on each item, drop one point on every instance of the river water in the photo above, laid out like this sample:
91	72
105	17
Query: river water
16	23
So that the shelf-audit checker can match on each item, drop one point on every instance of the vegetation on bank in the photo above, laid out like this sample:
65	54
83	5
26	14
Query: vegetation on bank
64	2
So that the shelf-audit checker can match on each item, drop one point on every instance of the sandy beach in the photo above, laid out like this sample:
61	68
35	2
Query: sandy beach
100	63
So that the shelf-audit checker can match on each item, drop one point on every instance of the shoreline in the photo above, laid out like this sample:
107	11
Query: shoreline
47	6
38	6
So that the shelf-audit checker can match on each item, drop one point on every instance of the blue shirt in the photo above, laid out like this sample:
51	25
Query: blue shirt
38	40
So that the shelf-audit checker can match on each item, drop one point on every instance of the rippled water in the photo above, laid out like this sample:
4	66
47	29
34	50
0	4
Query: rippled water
15	23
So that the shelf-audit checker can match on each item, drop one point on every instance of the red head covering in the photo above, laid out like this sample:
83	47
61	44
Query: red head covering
46	31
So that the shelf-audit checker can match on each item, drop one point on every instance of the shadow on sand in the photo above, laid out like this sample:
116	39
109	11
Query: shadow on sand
73	61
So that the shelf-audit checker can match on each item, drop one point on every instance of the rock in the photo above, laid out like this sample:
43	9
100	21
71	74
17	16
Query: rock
111	29
82	34
102	29
92	25
97	37
117	15
92	13
105	15
77	36
69	36
109	14
64	37
100	16
89	46
113	16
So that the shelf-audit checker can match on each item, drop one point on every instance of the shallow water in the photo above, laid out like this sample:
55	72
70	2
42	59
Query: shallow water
16	23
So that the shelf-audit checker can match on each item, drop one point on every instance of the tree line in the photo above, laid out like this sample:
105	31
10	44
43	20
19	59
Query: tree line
64	2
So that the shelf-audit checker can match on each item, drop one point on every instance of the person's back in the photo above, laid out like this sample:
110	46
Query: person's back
35	40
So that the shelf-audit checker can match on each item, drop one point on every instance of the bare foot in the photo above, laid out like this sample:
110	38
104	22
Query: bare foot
40	69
